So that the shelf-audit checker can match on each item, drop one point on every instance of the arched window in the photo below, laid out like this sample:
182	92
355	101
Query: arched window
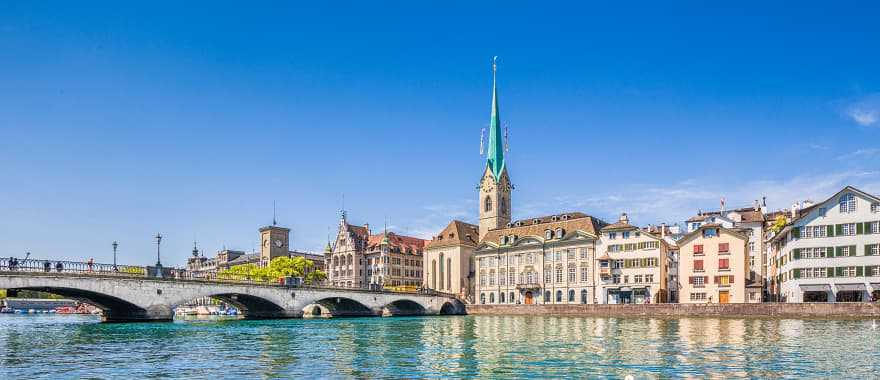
492	297
441	271
847	203
503	206
584	296
449	274
571	296
488	204
483	298
559	233
433	274
512	299
559	296
501	298
547	296
548	234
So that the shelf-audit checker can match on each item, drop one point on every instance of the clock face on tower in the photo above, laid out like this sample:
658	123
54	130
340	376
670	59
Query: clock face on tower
279	243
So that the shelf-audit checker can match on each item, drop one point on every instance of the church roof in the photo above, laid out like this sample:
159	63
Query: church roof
456	233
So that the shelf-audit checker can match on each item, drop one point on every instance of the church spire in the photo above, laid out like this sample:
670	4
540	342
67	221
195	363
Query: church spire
495	154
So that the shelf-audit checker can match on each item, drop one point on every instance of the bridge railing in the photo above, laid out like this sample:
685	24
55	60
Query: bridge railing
13	264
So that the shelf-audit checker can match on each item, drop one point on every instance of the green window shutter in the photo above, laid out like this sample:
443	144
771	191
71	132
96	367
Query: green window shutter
829	252
860	271
860	228
797	273
838	272
867	249
838	229
852	250
797	253
829	272
796	232
837	251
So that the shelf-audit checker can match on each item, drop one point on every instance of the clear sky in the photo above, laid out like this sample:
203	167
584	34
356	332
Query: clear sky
118	123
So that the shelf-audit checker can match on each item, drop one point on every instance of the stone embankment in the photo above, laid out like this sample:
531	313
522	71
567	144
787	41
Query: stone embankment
771	310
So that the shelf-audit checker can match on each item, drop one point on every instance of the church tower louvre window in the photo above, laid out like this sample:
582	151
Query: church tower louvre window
495	186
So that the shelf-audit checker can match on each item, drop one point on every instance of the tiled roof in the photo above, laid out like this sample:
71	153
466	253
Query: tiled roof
246	259
619	226
749	214
456	233
360	231
570	222
407	244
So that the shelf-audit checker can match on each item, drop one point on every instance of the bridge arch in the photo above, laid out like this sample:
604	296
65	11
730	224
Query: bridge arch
345	307
403	307
114	309
249	306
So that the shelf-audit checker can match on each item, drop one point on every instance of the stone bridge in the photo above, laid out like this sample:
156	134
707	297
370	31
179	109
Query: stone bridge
132	298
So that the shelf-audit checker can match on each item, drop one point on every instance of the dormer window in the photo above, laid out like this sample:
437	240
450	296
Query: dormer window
612	235
518	224
536	221
559	233
710	232
509	225
548	234
504	240
554	218
565	217
625	234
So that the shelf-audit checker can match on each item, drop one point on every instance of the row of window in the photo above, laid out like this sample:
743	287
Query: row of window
637	279
529	258
511	277
624	234
633	246
828	252
699	249
831	230
510	297
645	262
847	271
702	281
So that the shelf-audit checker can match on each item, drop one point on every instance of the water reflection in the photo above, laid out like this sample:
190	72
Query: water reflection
486	346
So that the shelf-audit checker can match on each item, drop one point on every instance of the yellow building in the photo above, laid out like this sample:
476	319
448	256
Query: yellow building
449	259
632	264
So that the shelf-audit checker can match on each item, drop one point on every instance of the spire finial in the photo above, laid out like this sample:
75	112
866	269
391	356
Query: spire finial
274	220
494	65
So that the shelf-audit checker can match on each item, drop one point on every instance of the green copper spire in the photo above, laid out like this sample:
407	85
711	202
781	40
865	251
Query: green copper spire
495	154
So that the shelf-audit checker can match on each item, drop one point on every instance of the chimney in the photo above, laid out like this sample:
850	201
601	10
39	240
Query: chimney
764	201
623	218
367	227
663	230
794	209
757	206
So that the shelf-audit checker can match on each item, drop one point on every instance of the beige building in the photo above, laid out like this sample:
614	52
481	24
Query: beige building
714	266
540	260
358	259
449	260
632	265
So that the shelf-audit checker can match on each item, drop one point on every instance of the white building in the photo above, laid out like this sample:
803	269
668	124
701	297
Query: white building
829	252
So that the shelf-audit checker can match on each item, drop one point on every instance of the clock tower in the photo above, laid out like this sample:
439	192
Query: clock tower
495	186
274	242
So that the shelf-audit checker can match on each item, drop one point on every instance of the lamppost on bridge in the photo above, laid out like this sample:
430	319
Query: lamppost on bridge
158	256
115	245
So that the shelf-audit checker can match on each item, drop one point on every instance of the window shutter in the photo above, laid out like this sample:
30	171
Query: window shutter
838	272
705	279
829	272
797	253
691	280
860	271
829	252
852	250
837	251
796	232
838	229
830	231
860	228
730	279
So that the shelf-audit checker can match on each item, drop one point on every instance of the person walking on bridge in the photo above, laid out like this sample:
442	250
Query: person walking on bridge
91	263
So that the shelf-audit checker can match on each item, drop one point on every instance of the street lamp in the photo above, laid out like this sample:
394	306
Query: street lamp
115	244
158	244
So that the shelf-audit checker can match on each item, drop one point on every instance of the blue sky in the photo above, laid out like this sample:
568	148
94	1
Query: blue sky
117	123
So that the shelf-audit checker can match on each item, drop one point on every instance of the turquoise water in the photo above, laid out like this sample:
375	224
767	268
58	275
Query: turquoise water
484	346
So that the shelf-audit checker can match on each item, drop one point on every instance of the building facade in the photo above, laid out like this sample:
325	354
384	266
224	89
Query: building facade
632	265
749	221
544	260
714	267
359	259
449	260
831	250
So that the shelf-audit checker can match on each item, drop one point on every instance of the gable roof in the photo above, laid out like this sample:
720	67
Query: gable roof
735	232
407	244
805	211
570	222
456	233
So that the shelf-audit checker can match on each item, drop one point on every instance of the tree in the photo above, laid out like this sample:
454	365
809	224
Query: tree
277	268
778	224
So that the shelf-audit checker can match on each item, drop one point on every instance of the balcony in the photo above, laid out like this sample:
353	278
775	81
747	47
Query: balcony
527	286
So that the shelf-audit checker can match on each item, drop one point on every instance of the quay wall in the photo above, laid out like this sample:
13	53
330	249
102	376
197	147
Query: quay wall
767	310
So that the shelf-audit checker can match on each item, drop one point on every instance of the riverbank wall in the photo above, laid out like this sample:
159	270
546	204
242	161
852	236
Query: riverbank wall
766	310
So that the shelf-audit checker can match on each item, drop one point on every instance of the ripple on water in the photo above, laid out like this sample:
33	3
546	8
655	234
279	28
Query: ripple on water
486	346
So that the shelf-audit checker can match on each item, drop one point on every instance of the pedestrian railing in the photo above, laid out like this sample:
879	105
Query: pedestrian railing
76	268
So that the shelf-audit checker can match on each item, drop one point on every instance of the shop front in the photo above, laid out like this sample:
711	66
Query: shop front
627	295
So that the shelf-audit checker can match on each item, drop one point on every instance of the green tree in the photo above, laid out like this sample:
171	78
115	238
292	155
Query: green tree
277	268
778	224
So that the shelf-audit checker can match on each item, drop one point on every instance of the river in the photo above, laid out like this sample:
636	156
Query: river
65	346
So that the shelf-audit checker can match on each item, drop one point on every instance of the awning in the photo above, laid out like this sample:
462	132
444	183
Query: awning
815	287
625	289
850	287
